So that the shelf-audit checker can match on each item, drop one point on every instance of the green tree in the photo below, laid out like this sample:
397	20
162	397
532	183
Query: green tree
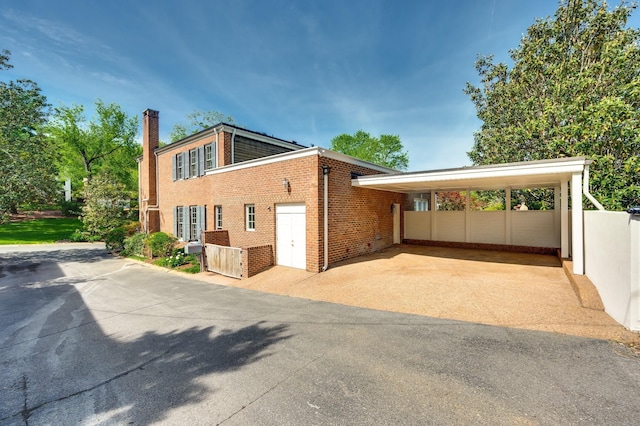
197	121
387	150
105	143
573	90
103	210
27	166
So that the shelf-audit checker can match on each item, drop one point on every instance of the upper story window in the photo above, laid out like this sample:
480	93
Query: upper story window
250	217
188	164
210	156
179	169
193	162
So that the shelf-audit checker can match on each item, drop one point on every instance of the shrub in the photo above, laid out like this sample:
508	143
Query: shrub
114	240
161	244
173	261
131	228
134	245
102	210
70	208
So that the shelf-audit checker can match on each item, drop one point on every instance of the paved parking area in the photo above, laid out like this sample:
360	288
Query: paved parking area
88	338
525	291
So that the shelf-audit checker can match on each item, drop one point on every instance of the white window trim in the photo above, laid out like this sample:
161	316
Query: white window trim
218	216
247	215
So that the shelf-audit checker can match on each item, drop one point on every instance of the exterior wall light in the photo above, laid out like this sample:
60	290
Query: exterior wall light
286	185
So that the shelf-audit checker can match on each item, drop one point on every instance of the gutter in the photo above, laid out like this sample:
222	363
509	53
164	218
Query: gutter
585	189
325	174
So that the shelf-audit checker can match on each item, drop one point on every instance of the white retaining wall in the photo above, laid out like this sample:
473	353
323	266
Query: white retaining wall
612	263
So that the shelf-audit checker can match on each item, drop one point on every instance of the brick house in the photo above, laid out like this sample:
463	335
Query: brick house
281	202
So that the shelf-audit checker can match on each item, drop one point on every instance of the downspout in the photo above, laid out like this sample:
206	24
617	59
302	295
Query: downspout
325	187
217	161
585	189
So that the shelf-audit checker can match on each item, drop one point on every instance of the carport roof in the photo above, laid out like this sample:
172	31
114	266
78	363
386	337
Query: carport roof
526	174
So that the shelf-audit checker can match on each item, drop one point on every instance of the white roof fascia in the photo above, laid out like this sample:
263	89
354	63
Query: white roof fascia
564	167
292	155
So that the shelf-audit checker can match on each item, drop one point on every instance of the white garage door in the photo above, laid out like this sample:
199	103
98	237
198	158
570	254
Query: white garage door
291	235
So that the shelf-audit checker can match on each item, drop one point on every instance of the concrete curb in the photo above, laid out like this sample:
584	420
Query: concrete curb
585	290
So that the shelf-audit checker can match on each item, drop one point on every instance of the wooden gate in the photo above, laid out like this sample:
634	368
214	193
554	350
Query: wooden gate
224	260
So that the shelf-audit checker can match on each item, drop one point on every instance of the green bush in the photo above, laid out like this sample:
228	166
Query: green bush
70	208
134	245
114	240
178	258
161	244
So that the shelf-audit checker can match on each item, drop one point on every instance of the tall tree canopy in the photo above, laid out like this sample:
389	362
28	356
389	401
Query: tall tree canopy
105	143
387	150
27	166
196	121
573	90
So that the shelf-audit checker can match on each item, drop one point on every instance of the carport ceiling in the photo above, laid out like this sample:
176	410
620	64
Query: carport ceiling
528	174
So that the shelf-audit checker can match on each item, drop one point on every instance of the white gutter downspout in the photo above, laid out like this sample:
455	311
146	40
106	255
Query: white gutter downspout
325	187
585	189
217	161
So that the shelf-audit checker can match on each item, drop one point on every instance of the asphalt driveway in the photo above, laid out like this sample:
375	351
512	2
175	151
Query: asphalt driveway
86	338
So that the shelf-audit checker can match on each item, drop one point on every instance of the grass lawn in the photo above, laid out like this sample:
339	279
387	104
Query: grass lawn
38	230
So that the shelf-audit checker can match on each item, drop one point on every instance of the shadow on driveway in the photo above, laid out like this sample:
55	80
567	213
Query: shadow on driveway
60	355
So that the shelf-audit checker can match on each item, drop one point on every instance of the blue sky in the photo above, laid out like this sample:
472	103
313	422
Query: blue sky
299	70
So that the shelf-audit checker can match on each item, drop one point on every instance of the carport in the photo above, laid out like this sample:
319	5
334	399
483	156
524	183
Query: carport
510	228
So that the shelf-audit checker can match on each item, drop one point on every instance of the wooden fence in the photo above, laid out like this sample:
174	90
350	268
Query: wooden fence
224	260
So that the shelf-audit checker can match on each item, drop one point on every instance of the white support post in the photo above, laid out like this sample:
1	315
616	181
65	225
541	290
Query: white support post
564	219
433	205
467	216
577	233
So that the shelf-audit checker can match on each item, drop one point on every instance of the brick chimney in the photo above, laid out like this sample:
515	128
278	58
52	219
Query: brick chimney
149	217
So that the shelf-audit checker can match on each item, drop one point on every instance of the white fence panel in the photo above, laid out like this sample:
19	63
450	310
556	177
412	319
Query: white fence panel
534	228
450	226
417	225
487	227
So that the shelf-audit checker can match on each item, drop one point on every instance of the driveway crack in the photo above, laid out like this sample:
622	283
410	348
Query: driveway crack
26	411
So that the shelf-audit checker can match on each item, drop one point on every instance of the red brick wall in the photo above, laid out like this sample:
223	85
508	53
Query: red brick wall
256	260
218	237
360	220
259	185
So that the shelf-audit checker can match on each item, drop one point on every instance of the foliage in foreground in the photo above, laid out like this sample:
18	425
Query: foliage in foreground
574	90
